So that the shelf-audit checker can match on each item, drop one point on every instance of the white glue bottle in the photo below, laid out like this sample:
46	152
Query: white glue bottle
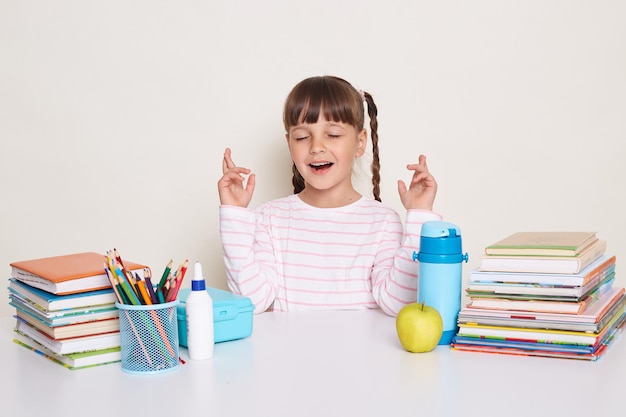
199	315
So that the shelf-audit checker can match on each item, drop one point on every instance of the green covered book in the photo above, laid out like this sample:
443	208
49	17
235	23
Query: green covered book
542	244
78	360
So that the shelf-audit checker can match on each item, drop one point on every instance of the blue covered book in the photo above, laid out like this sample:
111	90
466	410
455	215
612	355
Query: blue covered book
52	302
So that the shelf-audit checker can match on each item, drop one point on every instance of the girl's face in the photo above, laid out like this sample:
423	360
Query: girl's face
324	154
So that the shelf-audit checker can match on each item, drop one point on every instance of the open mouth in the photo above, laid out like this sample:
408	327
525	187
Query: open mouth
320	165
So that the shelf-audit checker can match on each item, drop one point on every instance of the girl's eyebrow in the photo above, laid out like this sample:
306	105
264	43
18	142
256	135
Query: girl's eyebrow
326	124
335	124
340	124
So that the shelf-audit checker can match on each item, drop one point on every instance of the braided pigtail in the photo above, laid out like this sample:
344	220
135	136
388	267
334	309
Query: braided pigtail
372	111
297	181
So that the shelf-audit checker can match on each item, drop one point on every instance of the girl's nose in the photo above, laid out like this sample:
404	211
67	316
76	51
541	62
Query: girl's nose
317	145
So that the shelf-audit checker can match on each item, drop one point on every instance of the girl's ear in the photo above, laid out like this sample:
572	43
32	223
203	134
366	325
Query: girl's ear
361	142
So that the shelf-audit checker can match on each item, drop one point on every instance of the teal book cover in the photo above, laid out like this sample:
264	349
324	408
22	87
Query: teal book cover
53	302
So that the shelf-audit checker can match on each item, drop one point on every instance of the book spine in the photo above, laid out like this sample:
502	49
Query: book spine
530	305
601	271
586	258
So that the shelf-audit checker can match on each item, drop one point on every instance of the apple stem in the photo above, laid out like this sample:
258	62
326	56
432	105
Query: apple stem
422	305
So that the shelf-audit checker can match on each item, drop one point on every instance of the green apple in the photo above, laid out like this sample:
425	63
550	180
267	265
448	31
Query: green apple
419	327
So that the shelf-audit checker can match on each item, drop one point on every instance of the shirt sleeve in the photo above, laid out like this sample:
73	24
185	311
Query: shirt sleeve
248	256
394	275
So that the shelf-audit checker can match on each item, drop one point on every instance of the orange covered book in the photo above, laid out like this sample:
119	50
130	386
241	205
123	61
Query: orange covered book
68	274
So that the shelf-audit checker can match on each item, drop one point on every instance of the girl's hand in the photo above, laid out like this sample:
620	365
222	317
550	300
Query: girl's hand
232	187
422	190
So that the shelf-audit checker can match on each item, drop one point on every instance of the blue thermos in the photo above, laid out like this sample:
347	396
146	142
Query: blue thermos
440	273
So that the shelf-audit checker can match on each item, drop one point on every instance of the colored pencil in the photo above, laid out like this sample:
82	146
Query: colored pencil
147	276
143	290
166	273
113	284
173	293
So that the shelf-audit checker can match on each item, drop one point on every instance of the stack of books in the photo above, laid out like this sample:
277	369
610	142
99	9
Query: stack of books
65	309
548	294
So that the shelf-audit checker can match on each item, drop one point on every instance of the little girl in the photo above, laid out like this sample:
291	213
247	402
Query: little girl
326	246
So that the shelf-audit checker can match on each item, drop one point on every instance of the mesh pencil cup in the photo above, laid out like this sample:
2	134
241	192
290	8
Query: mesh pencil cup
149	338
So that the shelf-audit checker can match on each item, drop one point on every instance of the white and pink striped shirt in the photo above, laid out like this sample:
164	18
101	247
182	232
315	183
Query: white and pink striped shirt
298	257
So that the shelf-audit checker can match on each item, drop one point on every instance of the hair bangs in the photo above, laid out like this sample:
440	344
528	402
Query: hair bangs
333	97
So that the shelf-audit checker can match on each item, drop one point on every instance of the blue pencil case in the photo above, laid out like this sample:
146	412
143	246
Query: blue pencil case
232	315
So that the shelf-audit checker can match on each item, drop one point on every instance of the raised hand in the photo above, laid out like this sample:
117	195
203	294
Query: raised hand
422	190
233	188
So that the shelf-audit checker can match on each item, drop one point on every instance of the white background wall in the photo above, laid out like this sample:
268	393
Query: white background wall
114	115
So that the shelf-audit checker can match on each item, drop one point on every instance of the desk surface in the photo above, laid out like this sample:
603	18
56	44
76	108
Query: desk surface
319	364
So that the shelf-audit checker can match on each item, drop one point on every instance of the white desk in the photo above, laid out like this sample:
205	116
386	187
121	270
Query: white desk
319	364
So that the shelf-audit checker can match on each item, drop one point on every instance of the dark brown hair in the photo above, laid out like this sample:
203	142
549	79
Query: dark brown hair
340	102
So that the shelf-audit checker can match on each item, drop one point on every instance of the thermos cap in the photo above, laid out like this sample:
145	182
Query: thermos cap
440	229
440	242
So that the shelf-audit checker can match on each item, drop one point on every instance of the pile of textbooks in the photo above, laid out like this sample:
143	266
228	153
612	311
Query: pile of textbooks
548	294
65	309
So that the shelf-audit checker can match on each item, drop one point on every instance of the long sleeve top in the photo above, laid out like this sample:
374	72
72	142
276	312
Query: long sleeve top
293	256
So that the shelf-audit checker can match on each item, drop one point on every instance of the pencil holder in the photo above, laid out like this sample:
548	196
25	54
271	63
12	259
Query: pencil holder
149	338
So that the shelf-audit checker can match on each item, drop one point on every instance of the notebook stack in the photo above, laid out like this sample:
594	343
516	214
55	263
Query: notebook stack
548	294
65	309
